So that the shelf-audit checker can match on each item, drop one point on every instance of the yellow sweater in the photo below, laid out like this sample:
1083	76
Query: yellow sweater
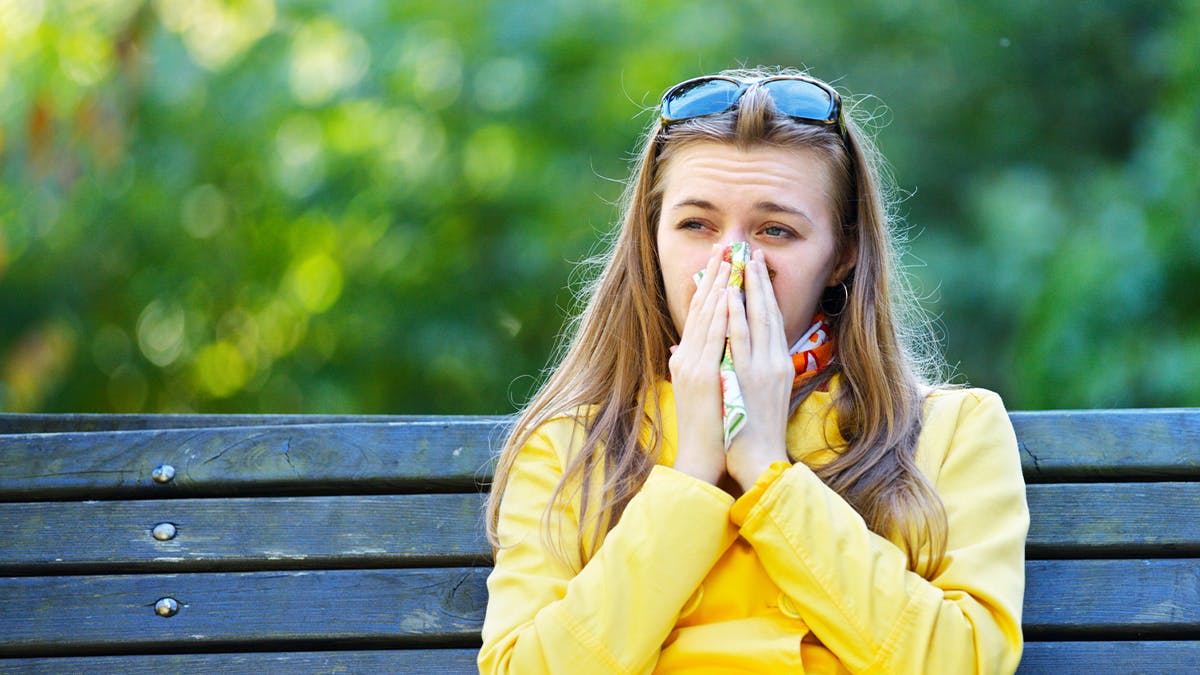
787	579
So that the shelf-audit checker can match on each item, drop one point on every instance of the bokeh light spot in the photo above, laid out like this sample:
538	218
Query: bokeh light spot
502	84
489	157
437	71
316	282
216	32
326	59
160	332
299	162
220	369
204	211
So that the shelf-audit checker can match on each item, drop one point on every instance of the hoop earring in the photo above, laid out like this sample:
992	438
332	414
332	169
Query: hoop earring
831	306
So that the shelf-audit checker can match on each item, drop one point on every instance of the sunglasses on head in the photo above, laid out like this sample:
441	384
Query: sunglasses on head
803	99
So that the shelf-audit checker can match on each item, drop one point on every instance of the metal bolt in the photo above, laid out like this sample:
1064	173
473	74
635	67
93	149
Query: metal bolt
163	474
164	531
166	607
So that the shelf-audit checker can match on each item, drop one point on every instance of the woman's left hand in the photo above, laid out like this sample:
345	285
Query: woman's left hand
764	371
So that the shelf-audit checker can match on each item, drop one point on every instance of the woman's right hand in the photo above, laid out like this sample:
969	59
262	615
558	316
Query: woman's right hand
696	379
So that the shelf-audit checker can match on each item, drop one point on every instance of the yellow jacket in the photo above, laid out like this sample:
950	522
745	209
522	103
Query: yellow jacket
787	579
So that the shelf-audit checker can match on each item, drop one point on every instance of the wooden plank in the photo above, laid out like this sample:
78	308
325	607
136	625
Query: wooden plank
64	615
399	661
24	423
1086	658
1078	520
1114	519
1120	445
1109	444
1065	599
1110	599
431	456
48	538
1166	656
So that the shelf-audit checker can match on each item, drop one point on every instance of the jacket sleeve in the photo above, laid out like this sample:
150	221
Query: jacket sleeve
853	587
547	614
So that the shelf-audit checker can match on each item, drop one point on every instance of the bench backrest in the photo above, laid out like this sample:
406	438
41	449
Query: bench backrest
309	542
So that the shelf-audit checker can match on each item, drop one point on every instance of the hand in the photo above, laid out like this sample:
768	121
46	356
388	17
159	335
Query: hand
764	371
696	379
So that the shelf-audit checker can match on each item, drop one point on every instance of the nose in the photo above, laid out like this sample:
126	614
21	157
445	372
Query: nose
733	234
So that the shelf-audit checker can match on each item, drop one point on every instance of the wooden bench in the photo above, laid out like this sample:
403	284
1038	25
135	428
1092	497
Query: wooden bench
314	544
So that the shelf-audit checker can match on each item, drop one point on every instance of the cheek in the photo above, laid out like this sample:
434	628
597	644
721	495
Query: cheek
798	292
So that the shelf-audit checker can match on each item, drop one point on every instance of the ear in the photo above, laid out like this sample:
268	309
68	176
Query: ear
845	265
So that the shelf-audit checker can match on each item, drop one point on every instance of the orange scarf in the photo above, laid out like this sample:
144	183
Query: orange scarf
812	352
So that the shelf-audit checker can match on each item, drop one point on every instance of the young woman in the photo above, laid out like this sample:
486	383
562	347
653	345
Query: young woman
842	512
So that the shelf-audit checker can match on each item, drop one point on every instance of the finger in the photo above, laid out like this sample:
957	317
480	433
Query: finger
714	343
778	333
762	311
739	330
699	321
707	280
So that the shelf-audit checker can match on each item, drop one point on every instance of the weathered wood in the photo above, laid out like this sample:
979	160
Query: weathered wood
313	545
1069	520
1164	656
399	661
63	615
331	458
22	423
1114	519
437	454
1065	599
1086	658
242	534
1109	444
1112	599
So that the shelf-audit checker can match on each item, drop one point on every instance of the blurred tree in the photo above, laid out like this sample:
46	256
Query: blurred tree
220	206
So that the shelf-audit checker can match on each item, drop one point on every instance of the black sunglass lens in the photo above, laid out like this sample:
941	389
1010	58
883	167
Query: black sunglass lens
702	98
801	99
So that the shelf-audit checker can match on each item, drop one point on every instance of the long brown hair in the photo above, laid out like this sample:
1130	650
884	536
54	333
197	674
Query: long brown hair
615	352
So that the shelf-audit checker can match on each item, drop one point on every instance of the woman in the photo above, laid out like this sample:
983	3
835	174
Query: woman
857	518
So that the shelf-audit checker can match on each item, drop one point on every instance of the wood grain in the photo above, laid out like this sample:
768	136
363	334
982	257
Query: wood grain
44	616
1086	520
243	534
349	458
1086	658
455	453
398	661
1065	600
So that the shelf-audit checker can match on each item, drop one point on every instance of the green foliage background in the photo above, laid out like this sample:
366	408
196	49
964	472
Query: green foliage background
375	207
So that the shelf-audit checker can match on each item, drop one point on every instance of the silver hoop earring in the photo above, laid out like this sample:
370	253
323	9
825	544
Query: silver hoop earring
831	305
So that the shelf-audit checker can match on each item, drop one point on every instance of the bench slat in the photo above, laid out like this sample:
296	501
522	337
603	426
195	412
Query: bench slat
1065	599
1068	520
343	458
1112	598
1109	519
1165	656
1039	657
267	533
400	661
440	454
46	616
43	423
1109	444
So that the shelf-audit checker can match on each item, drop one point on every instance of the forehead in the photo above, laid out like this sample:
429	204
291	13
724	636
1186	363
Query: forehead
726	174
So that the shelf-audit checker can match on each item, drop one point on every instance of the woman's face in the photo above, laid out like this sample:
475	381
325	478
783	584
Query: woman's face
779	200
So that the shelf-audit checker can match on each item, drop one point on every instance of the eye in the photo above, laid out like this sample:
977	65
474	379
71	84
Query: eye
691	225
776	231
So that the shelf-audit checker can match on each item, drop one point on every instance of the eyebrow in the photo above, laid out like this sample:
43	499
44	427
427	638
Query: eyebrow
765	205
